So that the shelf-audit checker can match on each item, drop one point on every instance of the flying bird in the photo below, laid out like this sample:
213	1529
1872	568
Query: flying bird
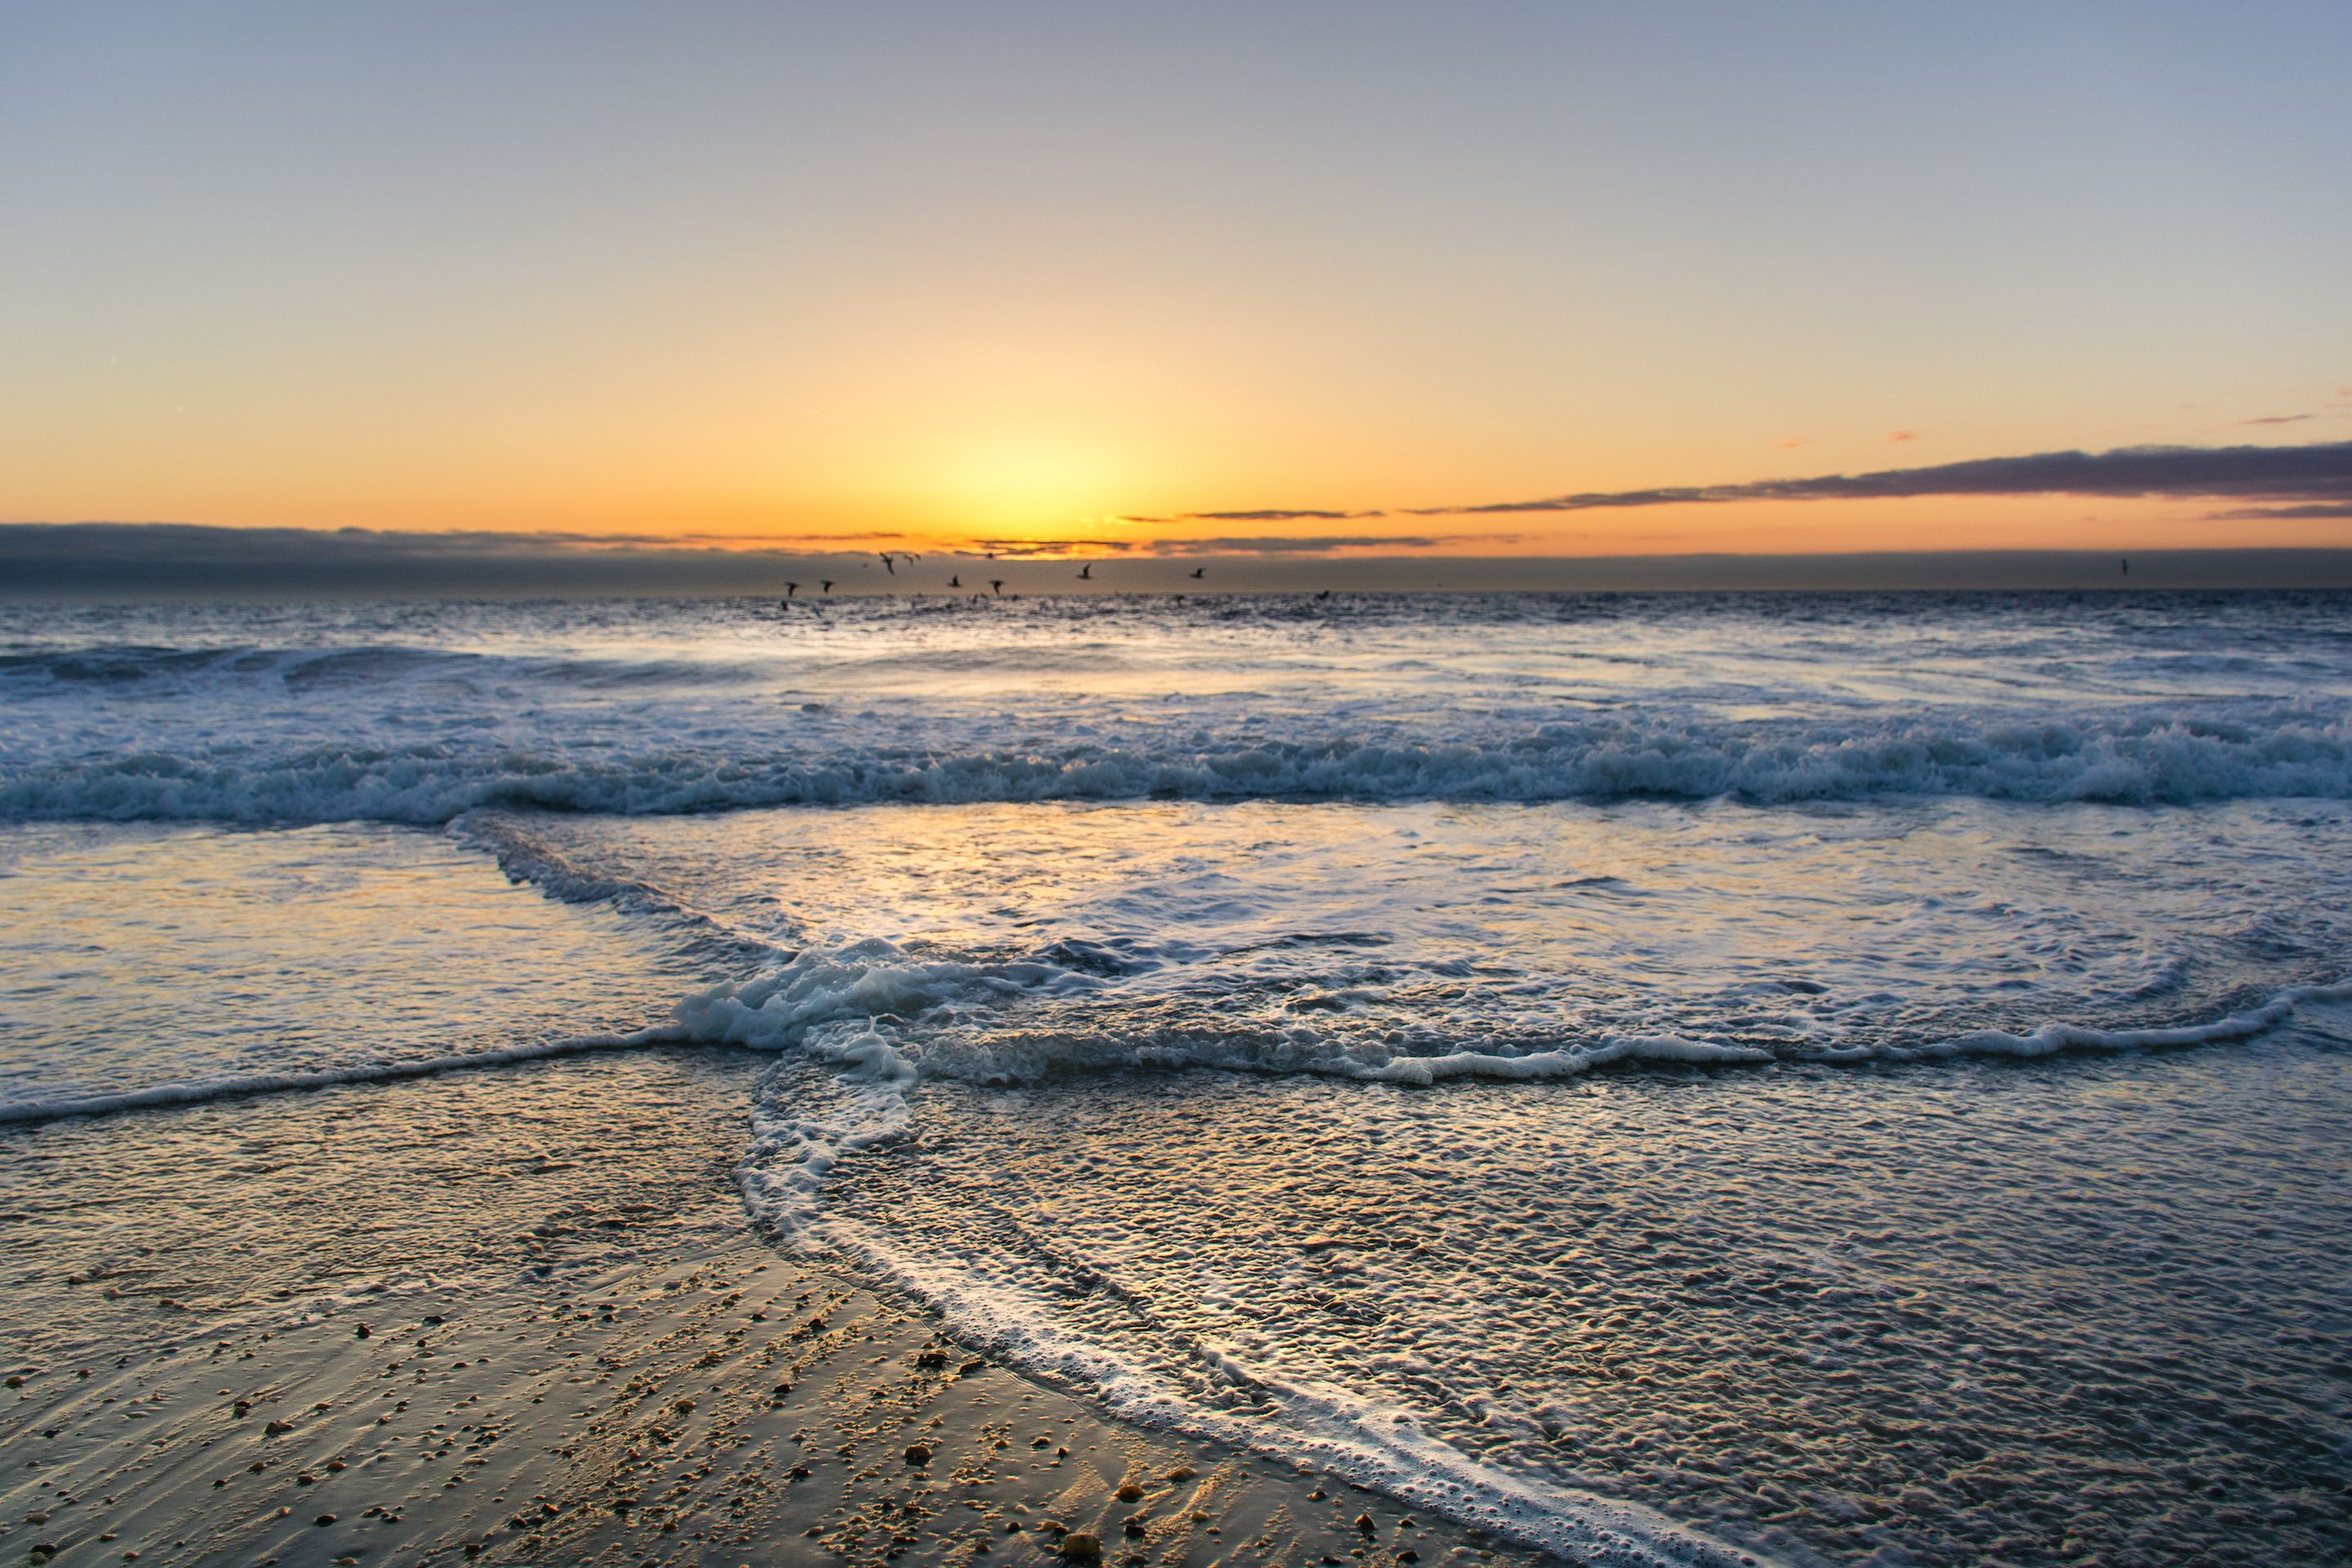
826	585
996	584
1199	572
890	559
1086	572
1324	595
791	588
2126	565
956	582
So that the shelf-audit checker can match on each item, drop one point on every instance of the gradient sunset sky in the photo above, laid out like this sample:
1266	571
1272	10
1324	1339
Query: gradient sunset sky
1268	275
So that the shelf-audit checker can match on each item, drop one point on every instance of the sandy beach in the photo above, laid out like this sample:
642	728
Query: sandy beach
513	1348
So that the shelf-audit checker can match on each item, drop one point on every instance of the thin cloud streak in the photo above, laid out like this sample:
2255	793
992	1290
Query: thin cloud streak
2320	472
1314	545
2320	509
1025	549
1275	514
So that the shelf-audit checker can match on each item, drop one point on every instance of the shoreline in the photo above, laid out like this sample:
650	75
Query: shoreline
605	1387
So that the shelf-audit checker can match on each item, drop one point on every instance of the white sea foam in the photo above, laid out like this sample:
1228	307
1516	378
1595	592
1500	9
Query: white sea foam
1301	1421
2148	763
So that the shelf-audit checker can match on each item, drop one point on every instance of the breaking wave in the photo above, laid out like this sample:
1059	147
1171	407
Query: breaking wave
2149	760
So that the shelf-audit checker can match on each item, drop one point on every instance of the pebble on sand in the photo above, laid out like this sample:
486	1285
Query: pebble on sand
1081	1543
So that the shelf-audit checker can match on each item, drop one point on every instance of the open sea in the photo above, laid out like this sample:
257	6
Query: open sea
1672	1079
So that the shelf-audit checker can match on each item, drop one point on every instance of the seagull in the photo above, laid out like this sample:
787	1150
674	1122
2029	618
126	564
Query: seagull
956	582
1199	572
827	584
1324	595
2126	565
996	584
890	559
1086	572
791	588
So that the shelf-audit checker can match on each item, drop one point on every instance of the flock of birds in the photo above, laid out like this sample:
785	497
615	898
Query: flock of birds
892	559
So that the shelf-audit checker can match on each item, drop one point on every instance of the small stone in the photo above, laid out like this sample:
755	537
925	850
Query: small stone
324	1519
1128	1492
1081	1543
1364	1522
17	1382
361	1333
1408	1556
967	1368
1181	1473
37	1517
918	1454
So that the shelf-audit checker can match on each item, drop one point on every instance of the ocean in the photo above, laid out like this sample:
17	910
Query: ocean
1667	1079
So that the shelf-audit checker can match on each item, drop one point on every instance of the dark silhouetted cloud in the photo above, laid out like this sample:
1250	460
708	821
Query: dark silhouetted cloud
2312	473
2278	419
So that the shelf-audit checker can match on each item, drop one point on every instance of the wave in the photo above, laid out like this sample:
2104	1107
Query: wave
979	1023
888	1019
231	668
247	1086
526	858
2150	763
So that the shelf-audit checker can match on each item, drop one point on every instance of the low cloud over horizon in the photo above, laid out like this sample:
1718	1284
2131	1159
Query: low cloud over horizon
2321	472
2301	477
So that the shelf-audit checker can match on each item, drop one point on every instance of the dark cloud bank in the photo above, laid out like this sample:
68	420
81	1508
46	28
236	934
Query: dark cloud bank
130	560
2319	473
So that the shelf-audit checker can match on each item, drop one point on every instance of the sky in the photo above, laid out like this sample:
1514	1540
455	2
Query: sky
1271	279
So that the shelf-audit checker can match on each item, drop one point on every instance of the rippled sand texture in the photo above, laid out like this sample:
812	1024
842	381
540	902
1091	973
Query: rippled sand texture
520	1318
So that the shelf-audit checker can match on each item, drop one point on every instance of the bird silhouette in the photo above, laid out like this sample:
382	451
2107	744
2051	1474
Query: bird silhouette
890	559
826	585
1086	572
956	582
1198	573
1324	595
791	588
996	584
2126	565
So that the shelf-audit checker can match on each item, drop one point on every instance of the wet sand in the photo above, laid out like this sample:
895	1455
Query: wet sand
520	1320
